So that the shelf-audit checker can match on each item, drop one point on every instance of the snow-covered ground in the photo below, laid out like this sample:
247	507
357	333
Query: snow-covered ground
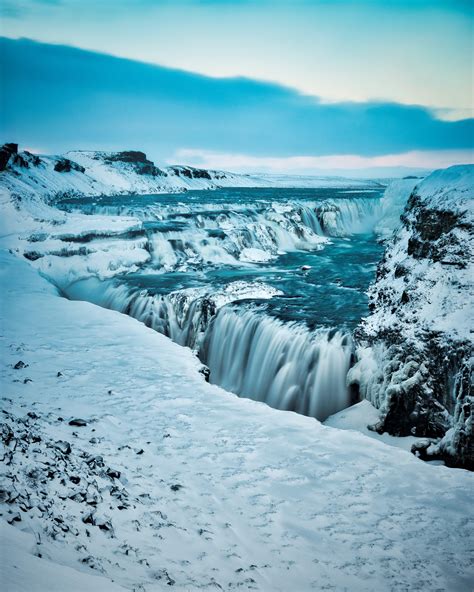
175	482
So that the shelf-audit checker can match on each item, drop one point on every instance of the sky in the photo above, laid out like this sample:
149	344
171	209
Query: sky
277	85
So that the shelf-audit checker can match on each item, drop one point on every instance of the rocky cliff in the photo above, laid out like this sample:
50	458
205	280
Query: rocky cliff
415	349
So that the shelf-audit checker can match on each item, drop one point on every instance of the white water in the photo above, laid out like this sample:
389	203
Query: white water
283	365
249	353
196	234
182	316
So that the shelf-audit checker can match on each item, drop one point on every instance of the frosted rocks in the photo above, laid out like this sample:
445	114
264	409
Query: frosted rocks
80	423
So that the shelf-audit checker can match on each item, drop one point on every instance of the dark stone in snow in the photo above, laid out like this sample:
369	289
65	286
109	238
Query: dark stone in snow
95	461
89	518
20	365
14	518
405	298
204	370
176	487
63	446
80	423
113	473
64	165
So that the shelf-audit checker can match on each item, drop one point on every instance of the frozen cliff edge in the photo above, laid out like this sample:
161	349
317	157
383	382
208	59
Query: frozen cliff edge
415	349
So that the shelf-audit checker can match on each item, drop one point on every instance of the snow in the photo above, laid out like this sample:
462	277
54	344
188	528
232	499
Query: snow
214	491
439	292
227	493
364	414
23	571
449	188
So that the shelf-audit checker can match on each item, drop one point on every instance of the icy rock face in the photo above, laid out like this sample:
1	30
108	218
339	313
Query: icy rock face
416	347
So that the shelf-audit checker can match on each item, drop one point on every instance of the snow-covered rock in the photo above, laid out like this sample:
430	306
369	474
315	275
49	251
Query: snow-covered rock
416	347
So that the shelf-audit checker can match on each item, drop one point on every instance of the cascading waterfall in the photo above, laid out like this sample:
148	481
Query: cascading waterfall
182	316
284	365
248	351
221	234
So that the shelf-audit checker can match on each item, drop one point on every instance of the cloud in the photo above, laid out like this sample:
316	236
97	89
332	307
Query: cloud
336	163
61	98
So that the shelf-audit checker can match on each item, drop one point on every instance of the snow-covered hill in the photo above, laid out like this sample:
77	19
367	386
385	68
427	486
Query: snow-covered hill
113	173
416	353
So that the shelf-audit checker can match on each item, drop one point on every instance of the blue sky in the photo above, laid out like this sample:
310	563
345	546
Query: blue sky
362	83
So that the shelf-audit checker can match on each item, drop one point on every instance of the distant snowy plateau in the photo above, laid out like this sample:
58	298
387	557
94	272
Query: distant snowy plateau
123	469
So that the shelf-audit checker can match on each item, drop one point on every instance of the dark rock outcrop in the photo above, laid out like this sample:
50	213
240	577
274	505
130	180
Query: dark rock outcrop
9	155
190	172
64	165
6	151
138	160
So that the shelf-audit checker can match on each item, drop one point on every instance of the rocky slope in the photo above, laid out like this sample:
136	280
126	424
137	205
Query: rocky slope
416	347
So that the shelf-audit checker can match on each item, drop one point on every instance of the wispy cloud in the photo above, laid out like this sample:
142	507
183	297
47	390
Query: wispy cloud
417	159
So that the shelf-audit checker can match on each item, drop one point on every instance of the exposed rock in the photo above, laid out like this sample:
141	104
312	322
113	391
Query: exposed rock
63	446
6	151
14	518
415	349
64	165
113	473
80	423
20	365
204	370
190	172
139	162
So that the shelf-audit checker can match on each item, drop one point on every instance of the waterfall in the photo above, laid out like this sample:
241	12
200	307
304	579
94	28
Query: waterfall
247	351
184	235
183	315
282	364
